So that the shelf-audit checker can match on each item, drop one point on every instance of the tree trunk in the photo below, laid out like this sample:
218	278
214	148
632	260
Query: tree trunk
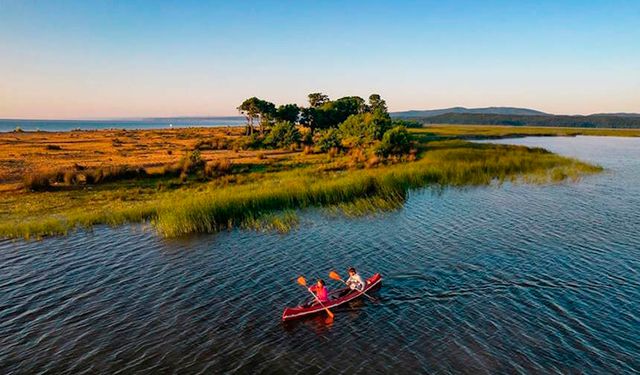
250	126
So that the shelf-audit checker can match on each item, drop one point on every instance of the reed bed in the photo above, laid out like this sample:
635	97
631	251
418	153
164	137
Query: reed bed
449	164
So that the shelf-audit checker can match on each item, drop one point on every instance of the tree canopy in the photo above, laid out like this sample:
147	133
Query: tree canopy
257	109
376	103
287	112
365	127
346	122
317	99
322	112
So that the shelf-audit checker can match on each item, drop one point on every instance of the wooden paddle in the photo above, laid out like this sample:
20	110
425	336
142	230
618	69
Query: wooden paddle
334	275
302	281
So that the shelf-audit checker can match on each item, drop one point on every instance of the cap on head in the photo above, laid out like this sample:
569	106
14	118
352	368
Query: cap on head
321	282
351	269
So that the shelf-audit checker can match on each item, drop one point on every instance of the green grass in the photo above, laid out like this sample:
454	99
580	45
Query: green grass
438	131
267	200
452	163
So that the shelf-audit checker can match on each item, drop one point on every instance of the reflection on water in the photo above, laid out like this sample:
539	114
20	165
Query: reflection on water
483	280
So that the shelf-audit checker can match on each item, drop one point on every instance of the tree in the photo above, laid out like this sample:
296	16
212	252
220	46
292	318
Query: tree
250	109
308	117
317	118
359	105
287	112
283	134
331	113
345	107
257	109
266	111
317	99
377	103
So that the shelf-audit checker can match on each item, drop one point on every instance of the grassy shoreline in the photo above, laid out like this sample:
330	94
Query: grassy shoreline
473	132
258	199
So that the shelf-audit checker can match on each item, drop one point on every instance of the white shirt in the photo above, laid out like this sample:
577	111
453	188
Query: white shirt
355	282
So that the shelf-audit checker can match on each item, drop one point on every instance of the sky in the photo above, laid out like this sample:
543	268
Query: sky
109	59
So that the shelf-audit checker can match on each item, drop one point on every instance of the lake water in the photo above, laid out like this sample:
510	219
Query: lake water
151	123
511	279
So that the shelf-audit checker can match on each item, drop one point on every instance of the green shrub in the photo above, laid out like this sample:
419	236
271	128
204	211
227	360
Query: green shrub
407	123
307	137
189	163
327	139
396	141
195	158
215	143
249	142
37	181
364	128
111	174
217	168
283	134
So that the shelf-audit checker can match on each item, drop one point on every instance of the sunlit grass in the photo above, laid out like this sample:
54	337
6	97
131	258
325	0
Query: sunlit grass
267	200
495	131
275	221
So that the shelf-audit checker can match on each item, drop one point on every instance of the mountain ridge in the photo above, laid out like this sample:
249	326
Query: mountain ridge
512	111
482	110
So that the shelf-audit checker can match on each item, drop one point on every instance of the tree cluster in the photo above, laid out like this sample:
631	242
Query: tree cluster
346	122
322	112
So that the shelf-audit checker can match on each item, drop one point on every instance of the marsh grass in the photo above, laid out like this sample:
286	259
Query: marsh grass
453	163
50	180
436	131
369	206
280	222
258	199
76	218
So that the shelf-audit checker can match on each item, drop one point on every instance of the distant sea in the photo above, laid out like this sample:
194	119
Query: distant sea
7	125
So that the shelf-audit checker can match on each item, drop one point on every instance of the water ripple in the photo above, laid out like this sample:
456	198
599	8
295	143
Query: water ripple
510	279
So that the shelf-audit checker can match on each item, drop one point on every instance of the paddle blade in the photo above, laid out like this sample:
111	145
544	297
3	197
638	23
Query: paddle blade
302	281
334	275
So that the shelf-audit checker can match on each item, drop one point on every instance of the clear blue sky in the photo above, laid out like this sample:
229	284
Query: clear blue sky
84	59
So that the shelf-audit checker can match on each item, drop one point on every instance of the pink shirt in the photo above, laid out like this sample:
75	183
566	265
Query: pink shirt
321	292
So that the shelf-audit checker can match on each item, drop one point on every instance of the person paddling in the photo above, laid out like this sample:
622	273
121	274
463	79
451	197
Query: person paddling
354	282
320	291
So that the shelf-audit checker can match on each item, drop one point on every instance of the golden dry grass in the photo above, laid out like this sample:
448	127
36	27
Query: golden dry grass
28	152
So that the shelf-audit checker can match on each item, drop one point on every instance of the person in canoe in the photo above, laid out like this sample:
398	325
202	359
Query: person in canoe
320	290
354	282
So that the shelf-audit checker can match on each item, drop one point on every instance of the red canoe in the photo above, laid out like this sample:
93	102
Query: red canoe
305	310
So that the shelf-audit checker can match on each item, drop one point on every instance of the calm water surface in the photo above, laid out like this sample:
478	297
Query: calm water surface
151	123
511	279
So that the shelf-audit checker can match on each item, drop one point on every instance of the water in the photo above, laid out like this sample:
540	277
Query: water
150	123
516	279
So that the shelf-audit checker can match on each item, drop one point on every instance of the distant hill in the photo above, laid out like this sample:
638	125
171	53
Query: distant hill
463	110
590	121
619	114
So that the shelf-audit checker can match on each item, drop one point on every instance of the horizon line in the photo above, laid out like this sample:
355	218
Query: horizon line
147	117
